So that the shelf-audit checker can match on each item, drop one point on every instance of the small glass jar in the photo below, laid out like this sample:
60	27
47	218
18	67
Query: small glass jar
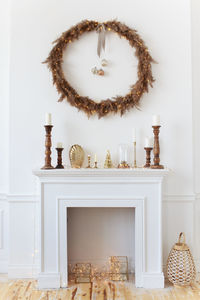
123	156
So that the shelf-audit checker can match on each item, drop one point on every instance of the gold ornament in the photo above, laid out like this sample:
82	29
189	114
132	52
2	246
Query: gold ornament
108	162
104	62
94	70
101	72
123	165
76	156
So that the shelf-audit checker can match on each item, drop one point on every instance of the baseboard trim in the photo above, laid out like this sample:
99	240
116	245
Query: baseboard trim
22	271
49	281
153	280
3	267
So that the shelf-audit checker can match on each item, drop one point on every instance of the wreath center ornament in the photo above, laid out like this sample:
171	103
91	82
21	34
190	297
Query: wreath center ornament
118	104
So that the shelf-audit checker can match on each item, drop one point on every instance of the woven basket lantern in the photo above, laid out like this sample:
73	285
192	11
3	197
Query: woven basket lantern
180	264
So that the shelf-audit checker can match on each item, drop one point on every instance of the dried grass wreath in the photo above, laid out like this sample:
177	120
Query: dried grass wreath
117	103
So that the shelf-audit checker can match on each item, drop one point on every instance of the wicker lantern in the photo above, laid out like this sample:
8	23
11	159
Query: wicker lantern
180	264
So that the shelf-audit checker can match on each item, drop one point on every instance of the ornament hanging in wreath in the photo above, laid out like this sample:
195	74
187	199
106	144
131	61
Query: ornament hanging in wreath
117	104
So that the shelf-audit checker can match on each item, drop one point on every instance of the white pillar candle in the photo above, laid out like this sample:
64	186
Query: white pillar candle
148	142
156	120
59	145
95	158
48	119
134	134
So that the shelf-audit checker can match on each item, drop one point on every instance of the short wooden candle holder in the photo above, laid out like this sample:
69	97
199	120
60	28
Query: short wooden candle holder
148	157
156	149
59	158
48	129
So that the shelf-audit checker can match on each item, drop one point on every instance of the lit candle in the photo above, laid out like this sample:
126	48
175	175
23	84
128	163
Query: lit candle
59	145
148	142
95	158
48	119
156	120
134	135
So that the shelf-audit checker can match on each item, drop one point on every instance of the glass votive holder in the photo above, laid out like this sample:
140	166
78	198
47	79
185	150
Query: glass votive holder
83	273
123	156
119	268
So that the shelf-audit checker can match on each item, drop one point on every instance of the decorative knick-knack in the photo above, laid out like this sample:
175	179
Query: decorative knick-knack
104	62
76	156
94	71
108	162
89	161
95	162
101	72
123	156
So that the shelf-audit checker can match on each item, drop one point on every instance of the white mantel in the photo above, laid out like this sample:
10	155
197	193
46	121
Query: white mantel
137	188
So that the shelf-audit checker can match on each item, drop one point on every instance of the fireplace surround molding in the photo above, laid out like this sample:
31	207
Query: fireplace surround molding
136	188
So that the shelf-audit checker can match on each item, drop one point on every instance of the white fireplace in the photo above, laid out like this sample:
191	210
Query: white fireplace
140	189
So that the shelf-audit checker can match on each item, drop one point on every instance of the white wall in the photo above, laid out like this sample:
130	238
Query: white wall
4	94
196	111
4	131
36	24
165	27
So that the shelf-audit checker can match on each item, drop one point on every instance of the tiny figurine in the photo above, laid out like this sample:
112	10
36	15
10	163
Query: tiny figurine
89	160
108	162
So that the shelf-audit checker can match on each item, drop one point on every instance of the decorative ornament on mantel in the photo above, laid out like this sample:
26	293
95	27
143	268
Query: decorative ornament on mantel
117	104
108	162
76	156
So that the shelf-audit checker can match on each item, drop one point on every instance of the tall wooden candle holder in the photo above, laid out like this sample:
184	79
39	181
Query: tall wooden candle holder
156	149
148	157
59	159
47	166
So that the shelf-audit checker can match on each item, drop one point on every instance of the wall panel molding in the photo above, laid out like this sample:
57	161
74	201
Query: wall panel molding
20	198
16	270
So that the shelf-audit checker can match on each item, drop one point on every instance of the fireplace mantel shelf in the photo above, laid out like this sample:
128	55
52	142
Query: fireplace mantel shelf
101	172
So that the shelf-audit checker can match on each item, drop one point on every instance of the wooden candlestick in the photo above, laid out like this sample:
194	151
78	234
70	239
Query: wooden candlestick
48	165
59	158
156	149
148	157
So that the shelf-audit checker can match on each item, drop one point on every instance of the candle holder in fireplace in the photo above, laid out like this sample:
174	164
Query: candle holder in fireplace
119	268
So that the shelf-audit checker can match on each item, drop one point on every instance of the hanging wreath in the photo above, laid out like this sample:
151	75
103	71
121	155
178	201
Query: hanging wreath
118	103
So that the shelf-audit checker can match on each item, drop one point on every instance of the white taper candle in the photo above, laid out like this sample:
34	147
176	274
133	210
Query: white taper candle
48	119
156	120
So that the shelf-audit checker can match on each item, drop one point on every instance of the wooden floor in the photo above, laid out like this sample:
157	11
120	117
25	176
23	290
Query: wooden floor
27	290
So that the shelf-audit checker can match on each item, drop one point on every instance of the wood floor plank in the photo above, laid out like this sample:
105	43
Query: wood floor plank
108	290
